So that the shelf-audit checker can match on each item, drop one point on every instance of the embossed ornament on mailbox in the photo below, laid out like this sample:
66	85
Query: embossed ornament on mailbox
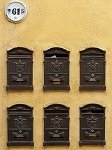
56	125
20	125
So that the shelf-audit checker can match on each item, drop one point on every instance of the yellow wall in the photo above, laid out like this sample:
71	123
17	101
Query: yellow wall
70	24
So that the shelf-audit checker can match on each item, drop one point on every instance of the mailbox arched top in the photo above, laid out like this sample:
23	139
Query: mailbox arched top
21	107
92	51
56	107
92	107
56	50
19	51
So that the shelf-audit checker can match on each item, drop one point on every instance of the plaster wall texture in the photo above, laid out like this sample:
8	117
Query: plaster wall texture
71	24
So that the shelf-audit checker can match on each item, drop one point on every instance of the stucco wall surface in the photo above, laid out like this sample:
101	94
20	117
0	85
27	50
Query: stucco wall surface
70	24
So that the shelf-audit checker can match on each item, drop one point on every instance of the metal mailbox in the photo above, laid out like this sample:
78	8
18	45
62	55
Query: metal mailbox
56	125
56	69
92	69
19	69
92	125
20	125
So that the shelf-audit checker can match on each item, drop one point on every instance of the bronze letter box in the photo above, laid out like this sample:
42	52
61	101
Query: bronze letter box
92	125
56	125
19	69
20	125
56	69
92	69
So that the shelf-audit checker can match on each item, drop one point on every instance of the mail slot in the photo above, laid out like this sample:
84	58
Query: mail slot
56	125
19	69
20	125
92	69
92	125
56	69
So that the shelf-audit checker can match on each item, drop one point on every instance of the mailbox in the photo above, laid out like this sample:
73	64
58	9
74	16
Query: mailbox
56	125
92	69
19	69
20	125
56	69
92	125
